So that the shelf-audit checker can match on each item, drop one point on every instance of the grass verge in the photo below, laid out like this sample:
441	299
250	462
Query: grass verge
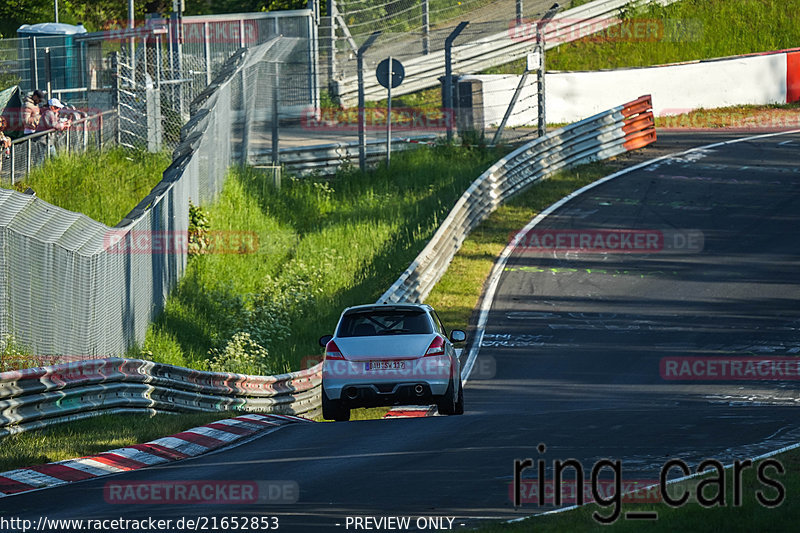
687	30
322	245
105	185
736	117
750	516
93	436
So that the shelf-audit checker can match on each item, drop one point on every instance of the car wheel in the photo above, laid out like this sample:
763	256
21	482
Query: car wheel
333	409
460	401
447	405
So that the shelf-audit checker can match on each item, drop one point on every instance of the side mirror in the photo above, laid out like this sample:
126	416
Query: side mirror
324	340
458	336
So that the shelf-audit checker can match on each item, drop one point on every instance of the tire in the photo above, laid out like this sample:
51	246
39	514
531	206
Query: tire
460	401
447	404
333	409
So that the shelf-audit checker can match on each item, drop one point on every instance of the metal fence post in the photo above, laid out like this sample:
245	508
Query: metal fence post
207	52
426	28
332	52
448	77
34	64
275	116
248	118
499	133
117	99
48	73
540	77
541	128
362	126
12	163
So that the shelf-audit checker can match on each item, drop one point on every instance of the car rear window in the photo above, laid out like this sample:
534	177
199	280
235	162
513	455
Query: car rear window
374	322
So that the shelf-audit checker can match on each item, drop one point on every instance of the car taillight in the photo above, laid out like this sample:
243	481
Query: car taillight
332	351
436	347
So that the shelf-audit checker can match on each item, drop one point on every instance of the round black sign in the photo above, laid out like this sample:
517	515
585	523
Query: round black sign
398	73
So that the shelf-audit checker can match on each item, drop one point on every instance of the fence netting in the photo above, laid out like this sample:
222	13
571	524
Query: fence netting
70	285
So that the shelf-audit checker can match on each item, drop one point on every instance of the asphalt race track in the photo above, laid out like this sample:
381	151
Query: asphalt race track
577	340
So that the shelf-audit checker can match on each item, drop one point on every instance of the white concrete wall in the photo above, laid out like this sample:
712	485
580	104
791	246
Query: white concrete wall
497	93
675	89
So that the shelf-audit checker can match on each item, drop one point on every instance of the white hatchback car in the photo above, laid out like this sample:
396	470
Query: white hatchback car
390	354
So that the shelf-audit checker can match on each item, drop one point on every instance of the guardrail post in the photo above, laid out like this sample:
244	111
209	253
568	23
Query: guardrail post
362	126
448	77
426	28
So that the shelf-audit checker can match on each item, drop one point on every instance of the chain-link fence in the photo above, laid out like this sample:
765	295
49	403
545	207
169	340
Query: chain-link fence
413	28
70	285
160	66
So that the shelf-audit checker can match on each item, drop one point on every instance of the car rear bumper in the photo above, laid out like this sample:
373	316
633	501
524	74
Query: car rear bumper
375	395
422	382
360	394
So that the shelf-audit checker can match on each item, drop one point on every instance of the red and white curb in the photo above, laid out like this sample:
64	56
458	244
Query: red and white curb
412	412
189	443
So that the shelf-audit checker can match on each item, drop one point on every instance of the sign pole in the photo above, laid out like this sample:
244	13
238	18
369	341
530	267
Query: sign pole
389	116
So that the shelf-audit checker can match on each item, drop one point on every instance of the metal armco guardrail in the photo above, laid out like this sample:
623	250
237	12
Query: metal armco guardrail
424	71
39	397
328	158
613	132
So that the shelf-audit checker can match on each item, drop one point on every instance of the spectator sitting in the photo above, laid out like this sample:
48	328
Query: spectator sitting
51	120
31	114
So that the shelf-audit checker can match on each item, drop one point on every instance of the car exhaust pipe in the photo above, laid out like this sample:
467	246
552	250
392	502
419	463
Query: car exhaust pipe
419	390
351	393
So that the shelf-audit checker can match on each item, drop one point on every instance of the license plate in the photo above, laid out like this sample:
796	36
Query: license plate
386	365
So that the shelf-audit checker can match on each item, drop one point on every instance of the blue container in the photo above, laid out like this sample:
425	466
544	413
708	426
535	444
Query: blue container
65	57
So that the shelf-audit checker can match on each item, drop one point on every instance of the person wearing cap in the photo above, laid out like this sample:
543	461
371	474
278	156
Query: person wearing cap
51	120
31	114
